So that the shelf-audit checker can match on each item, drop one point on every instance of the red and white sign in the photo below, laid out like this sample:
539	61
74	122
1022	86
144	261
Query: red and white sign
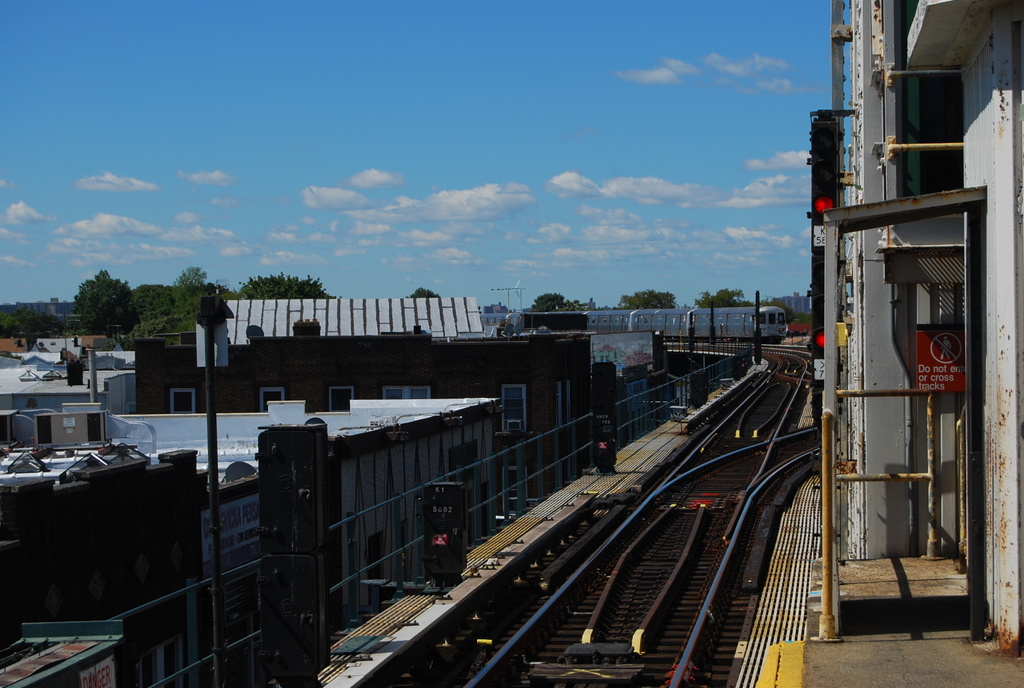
941	360
441	539
98	675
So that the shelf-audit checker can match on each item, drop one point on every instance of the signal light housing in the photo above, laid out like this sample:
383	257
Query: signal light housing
826	146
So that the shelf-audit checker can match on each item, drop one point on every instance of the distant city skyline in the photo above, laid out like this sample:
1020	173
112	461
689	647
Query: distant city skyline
591	149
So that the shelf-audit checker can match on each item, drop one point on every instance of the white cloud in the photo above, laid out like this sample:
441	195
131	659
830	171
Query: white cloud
573	257
198	234
283	235
212	178
610	234
234	250
455	256
552	232
776	190
781	160
290	258
782	86
486	202
109	181
403	262
21	213
418	237
368	228
106	225
745	68
4	184
759	237
572	185
610	216
8	235
187	218
655	191
333	198
644	190
15	262
375	179
151	252
343	251
667	72
224	202
91	251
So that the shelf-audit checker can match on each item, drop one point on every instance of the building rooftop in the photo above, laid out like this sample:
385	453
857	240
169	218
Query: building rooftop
440	317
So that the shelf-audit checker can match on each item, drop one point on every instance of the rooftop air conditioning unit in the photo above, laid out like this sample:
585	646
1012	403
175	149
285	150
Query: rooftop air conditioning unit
80	428
514	424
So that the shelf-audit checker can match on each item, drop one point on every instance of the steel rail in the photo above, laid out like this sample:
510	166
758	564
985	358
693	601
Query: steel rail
684	666
512	648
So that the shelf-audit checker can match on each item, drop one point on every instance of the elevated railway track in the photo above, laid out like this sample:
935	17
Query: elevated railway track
655	577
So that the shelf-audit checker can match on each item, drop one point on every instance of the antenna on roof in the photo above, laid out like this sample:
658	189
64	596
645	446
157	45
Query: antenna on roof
508	294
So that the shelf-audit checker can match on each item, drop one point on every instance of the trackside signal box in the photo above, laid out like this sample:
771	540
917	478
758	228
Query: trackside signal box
444	532
603	383
293	614
293	483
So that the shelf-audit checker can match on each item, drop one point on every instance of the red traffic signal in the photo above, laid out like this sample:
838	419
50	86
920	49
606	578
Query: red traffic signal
825	161
818	339
822	203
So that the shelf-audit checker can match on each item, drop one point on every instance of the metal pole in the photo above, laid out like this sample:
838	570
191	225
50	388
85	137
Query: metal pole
216	589
192	614
396	517
933	492
827	620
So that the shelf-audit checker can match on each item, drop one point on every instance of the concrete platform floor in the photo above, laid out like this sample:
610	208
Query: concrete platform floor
903	622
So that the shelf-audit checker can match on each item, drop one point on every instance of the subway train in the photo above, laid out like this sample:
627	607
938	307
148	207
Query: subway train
735	323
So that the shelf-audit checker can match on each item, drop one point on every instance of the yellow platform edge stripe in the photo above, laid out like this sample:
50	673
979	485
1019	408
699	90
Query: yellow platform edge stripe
783	666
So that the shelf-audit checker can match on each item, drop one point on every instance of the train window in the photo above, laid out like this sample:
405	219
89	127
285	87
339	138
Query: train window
771	318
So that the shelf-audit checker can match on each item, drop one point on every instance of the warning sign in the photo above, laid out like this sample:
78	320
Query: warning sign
941	360
440	539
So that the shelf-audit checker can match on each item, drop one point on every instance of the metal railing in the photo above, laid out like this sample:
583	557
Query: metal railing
831	477
502	486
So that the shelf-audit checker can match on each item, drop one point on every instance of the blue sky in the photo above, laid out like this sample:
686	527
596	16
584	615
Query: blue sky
592	149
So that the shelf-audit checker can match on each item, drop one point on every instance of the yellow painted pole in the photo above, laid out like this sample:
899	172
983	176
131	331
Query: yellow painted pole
827	620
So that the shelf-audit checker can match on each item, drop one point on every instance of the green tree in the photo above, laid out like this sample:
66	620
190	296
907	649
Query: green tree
723	298
155	305
648	298
104	306
30	324
546	303
8	325
282	287
424	293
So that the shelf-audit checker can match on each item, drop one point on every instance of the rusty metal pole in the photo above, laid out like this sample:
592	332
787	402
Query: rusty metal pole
827	620
933	492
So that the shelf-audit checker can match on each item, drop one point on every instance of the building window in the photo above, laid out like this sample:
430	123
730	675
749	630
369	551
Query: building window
513	404
183	400
340	398
407	392
268	394
160	662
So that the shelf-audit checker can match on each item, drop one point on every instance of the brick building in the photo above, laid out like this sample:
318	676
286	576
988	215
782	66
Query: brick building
542	380
116	537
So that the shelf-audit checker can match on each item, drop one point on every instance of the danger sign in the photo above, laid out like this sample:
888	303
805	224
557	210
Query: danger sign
440	539
941	360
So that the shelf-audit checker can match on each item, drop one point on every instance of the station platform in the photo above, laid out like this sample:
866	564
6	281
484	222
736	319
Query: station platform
903	622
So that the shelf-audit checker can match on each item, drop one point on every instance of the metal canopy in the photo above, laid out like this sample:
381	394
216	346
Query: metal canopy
857	218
